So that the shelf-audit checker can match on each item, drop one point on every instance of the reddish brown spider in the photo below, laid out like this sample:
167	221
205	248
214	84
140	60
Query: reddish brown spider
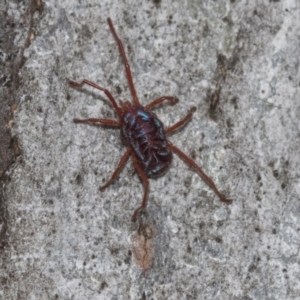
143	134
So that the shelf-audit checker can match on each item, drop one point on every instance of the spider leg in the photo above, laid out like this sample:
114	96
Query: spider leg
107	93
146	188
126	63
108	122
173	100
208	180
181	122
121	164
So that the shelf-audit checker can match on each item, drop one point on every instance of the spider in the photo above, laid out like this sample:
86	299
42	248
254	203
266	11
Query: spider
143	134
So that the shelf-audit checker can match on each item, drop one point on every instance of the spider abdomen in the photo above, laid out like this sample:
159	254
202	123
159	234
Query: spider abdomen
144	132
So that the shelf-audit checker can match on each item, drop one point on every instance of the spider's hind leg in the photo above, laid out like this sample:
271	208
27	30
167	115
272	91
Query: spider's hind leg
121	164
146	188
207	179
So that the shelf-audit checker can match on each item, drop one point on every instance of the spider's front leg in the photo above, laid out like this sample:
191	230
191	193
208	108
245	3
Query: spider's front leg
181	122
108	122
94	85
171	99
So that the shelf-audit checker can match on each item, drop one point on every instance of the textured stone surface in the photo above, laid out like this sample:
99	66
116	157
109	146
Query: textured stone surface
67	240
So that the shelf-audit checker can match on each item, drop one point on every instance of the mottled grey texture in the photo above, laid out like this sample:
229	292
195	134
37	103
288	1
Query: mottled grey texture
67	240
